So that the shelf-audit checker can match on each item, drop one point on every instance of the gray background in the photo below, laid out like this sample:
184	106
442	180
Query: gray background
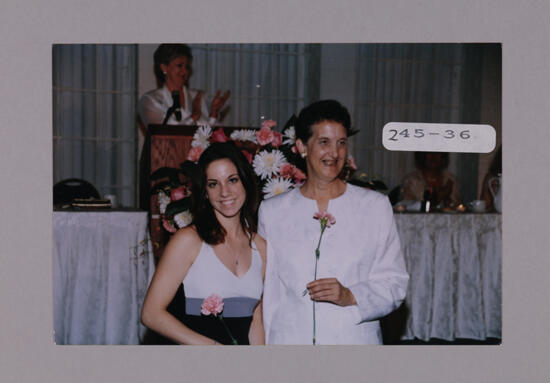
28	30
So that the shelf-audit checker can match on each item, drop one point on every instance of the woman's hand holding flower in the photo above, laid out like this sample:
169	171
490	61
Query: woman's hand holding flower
330	290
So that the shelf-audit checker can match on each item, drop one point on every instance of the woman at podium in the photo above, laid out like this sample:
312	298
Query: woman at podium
173	102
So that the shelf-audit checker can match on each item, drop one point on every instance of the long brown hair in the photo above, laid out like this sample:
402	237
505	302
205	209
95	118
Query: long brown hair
208	227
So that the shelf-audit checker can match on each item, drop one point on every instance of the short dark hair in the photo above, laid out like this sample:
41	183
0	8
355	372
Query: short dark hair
208	227
324	110
166	53
420	159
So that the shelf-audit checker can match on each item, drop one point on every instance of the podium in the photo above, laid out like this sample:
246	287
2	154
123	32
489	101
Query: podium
165	145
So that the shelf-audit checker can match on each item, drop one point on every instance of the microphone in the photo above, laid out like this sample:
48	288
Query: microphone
176	104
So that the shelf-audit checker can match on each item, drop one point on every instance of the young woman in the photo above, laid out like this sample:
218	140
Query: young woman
220	253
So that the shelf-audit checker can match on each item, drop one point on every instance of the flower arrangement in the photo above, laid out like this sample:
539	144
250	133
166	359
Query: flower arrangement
272	154
213	305
173	190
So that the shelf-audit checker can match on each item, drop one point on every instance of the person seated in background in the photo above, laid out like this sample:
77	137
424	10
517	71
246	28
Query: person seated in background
172	67
495	170
431	181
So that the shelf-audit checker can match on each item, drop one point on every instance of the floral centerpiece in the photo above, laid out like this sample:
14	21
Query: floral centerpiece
273	156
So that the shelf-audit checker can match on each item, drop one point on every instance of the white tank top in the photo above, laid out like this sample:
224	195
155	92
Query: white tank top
208	275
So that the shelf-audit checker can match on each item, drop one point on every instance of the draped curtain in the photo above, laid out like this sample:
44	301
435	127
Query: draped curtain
405	83
267	81
94	117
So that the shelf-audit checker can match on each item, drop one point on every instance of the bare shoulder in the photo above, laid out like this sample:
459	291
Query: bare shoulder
184	246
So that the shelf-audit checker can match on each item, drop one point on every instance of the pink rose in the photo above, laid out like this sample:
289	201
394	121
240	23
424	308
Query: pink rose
212	305
299	175
264	136
219	136
268	124
325	217
177	193
248	155
287	170
195	153
168	226
277	139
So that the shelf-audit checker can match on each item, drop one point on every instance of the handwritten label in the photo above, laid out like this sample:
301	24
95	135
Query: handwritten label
426	137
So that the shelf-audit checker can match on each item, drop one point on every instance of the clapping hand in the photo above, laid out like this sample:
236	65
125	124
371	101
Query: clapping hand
218	102
330	290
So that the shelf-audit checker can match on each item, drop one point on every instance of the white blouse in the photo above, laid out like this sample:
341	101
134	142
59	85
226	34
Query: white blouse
362	250
153	105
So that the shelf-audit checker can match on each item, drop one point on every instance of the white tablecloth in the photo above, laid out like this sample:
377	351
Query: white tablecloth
103	263
454	262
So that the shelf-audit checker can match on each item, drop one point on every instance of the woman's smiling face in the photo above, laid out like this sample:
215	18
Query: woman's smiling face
326	150
177	72
224	188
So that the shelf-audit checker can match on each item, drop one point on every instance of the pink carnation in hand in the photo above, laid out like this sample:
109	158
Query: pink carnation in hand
264	135
212	305
326	217
277	139
268	124
219	136
195	153
177	193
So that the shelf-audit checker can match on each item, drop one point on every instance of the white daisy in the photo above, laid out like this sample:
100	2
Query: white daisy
268	163
276	186
290	136
164	200
202	136
244	135
183	219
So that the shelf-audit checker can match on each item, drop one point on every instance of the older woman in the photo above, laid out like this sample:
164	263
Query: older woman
172	67
360	270
219	253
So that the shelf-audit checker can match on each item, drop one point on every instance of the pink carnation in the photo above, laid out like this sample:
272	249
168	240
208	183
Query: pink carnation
219	136
293	149
177	193
268	124
299	175
326	217
290	171
264	135
195	153
212	305
248	155
277	139
168	226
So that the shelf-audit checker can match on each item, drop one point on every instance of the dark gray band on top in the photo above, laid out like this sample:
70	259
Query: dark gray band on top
232	307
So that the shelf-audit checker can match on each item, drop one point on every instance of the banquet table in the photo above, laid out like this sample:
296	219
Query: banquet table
454	262
103	263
